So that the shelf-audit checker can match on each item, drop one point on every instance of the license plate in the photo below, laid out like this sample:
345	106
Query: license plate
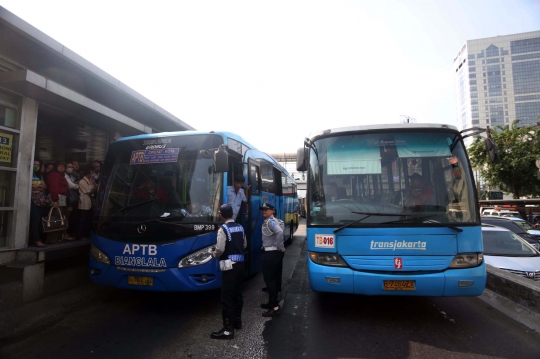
399	285
148	281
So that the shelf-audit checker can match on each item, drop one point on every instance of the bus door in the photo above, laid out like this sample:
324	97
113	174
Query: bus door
280	203
254	221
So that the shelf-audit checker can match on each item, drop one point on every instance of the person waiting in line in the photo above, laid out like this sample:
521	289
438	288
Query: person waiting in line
40	205
58	189
72	211
86	187
420	193
47	168
236	195
96	167
272	259
76	174
231	241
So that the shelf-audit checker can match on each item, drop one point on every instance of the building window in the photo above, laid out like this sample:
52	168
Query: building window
524	46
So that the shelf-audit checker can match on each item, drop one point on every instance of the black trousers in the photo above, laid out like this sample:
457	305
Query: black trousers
272	262
231	294
36	213
85	223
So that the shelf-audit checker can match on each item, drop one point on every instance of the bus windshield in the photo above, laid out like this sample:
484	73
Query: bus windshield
390	177
163	181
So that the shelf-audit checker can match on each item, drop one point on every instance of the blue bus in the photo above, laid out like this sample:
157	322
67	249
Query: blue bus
156	214
393	210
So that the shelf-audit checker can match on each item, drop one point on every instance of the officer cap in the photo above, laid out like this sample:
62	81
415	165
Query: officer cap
267	206
226	211
239	178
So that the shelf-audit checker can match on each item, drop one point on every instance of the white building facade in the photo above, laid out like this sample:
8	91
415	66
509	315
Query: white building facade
498	80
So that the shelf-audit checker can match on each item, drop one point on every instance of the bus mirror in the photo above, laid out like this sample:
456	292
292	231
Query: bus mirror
301	159
221	160
492	150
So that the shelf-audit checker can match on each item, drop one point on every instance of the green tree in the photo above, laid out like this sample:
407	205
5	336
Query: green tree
519	147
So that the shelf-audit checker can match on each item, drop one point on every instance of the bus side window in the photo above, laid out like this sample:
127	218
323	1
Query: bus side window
254	177
267	177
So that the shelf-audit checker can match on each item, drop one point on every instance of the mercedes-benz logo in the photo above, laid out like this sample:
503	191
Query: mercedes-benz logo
141	228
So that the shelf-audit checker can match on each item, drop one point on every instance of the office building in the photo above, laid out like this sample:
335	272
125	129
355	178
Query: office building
498	80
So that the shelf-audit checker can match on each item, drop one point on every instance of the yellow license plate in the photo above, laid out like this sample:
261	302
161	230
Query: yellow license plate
399	285
148	281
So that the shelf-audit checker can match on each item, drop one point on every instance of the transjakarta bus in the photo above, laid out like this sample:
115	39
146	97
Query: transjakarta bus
364	236
157	208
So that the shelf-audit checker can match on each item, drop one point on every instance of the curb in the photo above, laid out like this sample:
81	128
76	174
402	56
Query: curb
512	309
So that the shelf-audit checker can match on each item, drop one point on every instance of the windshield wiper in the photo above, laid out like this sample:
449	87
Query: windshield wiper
457	229
124	209
368	214
430	222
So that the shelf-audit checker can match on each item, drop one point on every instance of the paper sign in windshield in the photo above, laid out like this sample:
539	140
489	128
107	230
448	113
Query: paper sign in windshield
154	156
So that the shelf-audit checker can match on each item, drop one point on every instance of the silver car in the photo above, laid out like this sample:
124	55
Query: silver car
505	250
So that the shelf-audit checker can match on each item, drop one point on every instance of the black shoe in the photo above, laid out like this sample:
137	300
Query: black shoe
238	325
223	334
272	312
265	305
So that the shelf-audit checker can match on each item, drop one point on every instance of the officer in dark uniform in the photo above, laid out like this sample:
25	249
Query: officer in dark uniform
231	242
273	251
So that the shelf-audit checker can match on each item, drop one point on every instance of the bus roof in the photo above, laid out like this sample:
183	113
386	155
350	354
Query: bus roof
187	133
389	126
224	134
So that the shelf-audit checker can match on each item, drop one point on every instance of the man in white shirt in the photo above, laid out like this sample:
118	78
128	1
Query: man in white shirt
236	195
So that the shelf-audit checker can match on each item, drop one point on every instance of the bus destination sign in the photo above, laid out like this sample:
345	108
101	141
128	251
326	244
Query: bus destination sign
164	155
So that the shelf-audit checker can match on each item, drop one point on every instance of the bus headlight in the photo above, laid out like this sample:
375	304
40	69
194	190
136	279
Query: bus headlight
98	255
467	260
198	258
327	259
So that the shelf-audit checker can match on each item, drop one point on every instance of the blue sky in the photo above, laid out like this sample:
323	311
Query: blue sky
275	71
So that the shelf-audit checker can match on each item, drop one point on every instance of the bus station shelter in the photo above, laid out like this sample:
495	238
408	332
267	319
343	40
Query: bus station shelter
55	106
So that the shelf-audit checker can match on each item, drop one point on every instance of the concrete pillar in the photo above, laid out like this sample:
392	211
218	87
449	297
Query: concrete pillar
25	157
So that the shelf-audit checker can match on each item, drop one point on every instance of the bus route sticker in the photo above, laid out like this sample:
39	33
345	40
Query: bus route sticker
140	157
6	142
325	241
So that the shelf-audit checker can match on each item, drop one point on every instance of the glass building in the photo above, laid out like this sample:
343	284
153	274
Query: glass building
498	80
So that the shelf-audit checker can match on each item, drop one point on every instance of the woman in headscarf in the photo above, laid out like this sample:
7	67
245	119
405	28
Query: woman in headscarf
87	186
40	204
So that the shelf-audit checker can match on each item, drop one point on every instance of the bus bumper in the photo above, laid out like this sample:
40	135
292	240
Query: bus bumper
449	283
204	277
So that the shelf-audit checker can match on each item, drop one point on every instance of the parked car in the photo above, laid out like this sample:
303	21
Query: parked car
518	226
499	212
506	250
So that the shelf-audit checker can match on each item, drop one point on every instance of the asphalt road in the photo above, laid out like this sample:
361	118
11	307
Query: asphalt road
130	324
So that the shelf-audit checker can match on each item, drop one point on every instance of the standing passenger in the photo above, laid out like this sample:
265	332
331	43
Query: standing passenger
235	194
272	259
231	242
86	187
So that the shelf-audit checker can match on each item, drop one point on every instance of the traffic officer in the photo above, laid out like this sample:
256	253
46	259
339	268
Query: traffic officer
231	242
273	251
